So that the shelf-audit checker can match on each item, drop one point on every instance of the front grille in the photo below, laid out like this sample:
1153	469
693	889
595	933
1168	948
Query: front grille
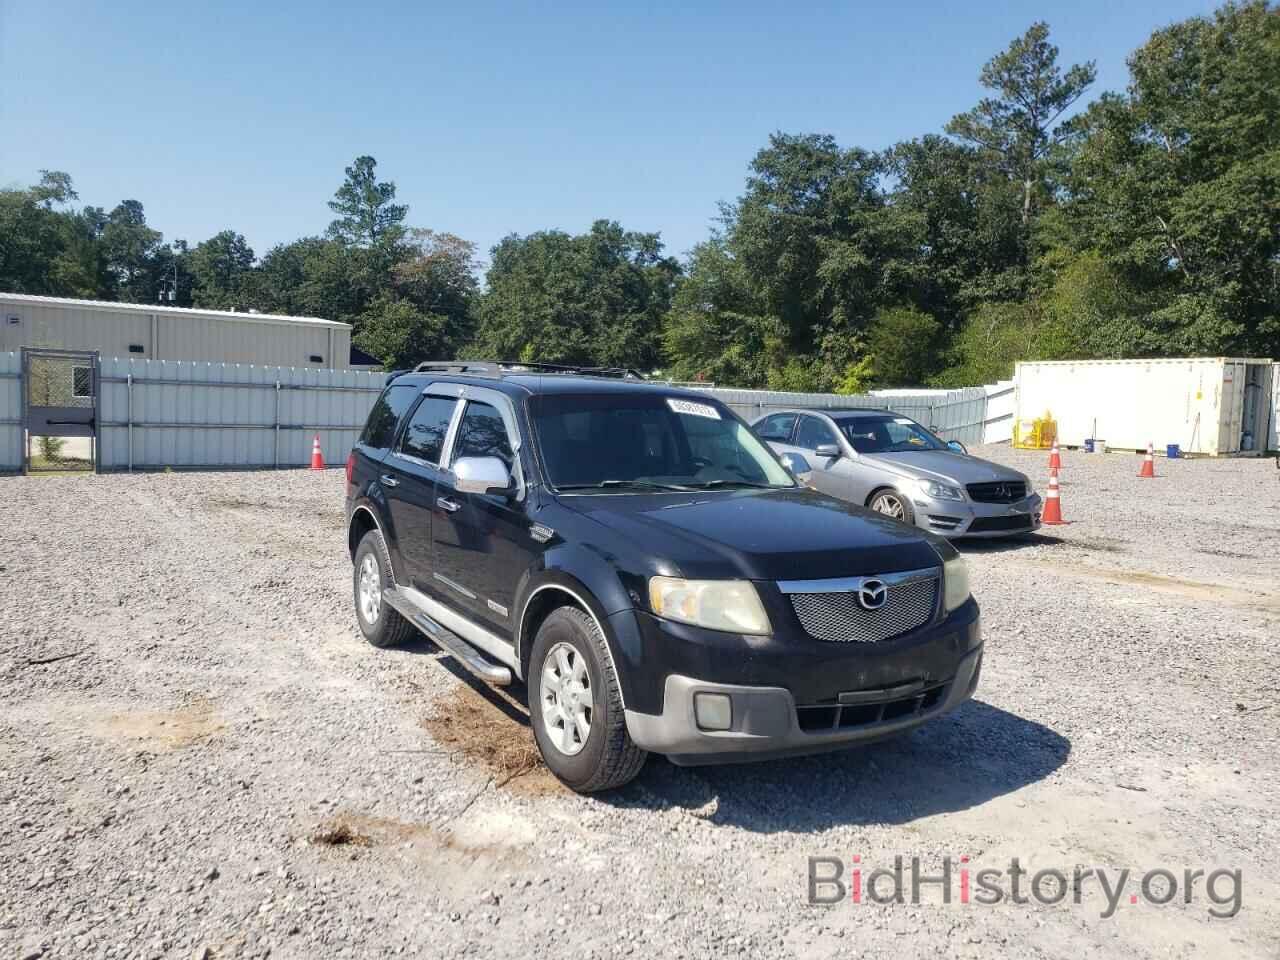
1018	521
826	718
1000	491
840	618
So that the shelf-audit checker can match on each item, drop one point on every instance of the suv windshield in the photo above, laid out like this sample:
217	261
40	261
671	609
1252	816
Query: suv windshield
633	441
887	434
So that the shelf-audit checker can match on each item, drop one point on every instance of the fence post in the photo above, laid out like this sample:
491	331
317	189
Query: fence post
129	413
277	427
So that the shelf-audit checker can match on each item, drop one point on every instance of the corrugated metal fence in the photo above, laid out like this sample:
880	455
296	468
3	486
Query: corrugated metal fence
10	412
956	415
158	413
166	413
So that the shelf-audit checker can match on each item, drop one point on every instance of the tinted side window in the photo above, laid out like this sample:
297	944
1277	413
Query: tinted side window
813	433
483	434
424	437
380	428
777	427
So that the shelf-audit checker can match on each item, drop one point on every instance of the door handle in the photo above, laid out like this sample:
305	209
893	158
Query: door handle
445	503
389	481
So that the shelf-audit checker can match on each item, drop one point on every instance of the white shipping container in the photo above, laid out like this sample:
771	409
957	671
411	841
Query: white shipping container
1210	405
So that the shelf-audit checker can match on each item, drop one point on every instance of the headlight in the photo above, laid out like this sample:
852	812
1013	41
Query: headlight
939	491
955	583
731	605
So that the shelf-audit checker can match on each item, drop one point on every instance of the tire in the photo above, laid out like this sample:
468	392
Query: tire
893	504
606	757
385	627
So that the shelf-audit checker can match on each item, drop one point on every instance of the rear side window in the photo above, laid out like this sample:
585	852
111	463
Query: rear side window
777	427
424	436
380	428
483	434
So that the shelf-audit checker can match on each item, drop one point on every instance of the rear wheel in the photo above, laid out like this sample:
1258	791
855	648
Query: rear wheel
575	705
381	625
893	504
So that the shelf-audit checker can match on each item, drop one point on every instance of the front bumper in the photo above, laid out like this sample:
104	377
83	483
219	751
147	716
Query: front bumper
968	518
767	723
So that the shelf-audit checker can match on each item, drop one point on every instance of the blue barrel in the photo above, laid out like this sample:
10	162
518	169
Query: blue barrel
1088	444
1173	451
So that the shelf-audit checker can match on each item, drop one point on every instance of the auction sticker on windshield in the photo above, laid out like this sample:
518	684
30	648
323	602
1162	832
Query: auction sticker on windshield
693	409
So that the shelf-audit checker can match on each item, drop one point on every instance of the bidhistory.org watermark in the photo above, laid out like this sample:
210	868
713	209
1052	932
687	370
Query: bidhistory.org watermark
835	880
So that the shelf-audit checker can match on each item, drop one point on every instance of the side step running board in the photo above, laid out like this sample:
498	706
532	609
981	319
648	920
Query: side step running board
403	600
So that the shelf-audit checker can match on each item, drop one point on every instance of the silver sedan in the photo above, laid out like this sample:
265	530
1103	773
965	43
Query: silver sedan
895	466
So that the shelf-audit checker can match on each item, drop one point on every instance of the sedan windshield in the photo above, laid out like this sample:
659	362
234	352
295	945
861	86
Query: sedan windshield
887	434
631	443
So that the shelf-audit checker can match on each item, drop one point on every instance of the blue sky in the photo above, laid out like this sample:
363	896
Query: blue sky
490	118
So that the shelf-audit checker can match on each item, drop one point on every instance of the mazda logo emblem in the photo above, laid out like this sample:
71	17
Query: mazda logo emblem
872	594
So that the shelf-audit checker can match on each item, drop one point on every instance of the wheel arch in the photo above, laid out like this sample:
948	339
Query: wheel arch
549	593
362	520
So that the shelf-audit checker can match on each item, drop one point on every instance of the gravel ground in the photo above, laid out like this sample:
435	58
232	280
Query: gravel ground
200	757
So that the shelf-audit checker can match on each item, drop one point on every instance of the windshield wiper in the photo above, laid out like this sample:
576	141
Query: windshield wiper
605	484
707	484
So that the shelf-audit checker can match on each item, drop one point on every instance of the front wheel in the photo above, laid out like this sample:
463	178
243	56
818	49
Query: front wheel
893	504
575	705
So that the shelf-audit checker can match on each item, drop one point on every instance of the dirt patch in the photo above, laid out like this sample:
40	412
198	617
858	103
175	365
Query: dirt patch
340	832
1175	586
483	733
161	730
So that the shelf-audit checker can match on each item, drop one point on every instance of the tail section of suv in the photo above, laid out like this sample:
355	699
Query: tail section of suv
648	568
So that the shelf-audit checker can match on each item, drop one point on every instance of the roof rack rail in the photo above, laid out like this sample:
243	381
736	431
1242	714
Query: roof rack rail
499	368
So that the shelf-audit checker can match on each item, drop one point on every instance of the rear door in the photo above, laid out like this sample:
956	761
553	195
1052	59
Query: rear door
408	477
481	542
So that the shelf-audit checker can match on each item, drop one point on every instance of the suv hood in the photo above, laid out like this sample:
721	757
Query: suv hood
956	468
762	534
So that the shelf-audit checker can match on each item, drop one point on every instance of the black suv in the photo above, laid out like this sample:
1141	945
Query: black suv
648	568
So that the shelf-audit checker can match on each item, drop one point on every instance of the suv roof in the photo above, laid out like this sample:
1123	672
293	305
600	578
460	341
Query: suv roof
539	378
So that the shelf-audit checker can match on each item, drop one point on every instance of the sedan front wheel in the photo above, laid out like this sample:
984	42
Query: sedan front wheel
893	504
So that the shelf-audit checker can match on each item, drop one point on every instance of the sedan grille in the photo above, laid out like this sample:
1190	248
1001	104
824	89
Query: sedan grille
999	491
839	617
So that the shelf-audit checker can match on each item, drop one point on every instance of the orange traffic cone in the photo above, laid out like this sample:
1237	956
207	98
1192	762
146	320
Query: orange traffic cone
1055	459
1052	502
317	458
1148	463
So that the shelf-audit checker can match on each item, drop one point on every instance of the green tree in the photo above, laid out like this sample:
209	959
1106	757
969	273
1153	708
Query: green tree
367	213
594	298
902	345
1177	184
33	235
130	247
717	330
1020	125
220	268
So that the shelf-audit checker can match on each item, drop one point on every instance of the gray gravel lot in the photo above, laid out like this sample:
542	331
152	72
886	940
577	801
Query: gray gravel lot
218	765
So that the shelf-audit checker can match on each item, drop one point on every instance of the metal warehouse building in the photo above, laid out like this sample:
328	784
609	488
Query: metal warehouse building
175	333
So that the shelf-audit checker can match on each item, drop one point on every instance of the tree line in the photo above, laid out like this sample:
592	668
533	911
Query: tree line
1034	226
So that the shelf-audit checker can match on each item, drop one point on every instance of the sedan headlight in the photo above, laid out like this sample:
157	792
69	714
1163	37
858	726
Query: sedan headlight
731	605
939	491
955	583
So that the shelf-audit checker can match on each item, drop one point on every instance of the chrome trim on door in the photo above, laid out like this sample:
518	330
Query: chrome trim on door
444	503
456	586
389	481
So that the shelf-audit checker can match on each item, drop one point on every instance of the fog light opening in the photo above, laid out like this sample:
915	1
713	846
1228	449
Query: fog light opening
713	711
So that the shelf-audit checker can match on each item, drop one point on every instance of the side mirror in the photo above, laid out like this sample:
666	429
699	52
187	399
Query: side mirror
826	450
957	446
481	475
797	464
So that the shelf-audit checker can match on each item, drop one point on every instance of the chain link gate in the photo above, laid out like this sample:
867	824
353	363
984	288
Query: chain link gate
59	409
